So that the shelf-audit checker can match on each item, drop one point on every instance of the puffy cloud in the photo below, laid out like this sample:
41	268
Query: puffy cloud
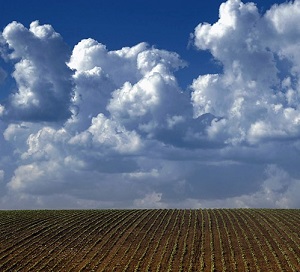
134	86
148	100
152	200
120	65
26	175
259	80
2	109
104	132
278	190
44	85
284	17
124	134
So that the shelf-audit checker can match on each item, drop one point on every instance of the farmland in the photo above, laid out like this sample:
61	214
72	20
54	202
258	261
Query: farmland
150	240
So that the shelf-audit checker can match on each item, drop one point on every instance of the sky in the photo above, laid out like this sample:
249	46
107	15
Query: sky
132	104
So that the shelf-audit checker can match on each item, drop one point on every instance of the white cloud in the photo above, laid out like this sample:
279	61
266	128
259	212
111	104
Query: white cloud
148	101
114	129
2	109
251	94
46	143
207	88
25	175
151	200
119	65
108	133
284	18
278	190
42	77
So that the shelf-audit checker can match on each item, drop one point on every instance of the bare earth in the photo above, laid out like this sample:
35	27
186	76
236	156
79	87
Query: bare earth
150	240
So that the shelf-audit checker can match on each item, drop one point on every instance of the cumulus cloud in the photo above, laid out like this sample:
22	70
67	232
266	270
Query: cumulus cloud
92	127
278	190
260	73
151	201
104	132
44	85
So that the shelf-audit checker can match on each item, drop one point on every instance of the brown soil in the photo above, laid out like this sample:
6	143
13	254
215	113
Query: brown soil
150	240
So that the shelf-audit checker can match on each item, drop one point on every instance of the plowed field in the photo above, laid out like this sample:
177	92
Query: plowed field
150	240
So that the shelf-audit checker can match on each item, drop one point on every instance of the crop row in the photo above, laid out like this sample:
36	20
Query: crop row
150	240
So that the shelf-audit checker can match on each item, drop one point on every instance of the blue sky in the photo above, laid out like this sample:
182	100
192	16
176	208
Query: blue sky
135	104
164	24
